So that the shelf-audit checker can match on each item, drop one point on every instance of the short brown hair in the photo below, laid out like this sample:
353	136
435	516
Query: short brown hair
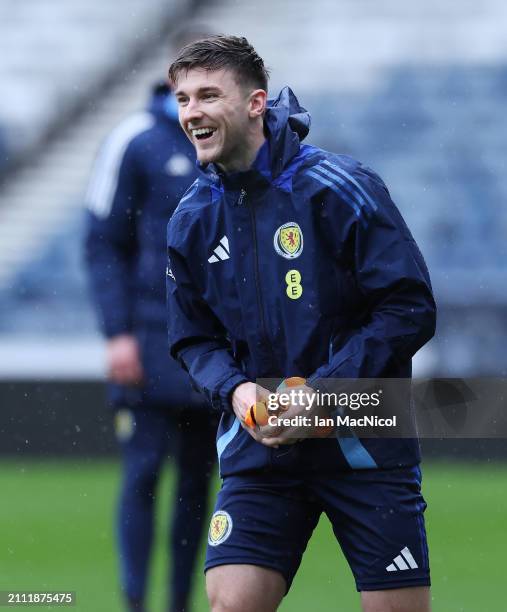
216	52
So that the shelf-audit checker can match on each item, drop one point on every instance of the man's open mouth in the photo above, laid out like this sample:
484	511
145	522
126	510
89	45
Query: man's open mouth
203	133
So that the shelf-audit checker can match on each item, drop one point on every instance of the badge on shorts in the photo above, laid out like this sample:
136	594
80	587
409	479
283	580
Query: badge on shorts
288	240
220	528
124	425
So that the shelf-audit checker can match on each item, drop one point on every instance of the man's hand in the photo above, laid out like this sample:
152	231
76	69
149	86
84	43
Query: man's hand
123	360
244	396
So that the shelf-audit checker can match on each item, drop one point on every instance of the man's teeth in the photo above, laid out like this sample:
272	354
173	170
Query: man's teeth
203	131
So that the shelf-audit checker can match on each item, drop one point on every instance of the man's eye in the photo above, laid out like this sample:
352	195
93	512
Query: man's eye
210	96
182	101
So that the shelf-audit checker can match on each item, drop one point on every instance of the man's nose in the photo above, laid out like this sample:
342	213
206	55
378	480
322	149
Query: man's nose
192	111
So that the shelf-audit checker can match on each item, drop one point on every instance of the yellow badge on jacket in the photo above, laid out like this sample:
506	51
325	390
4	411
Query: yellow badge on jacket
288	240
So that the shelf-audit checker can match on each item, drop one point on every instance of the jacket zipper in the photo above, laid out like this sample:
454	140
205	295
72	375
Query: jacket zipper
242	196
265	336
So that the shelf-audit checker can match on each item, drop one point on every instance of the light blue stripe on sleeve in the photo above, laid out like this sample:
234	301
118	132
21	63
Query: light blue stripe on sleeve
357	197
106	170
352	180
356	455
226	438
340	192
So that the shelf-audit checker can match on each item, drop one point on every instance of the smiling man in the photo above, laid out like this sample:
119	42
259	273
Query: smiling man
289	261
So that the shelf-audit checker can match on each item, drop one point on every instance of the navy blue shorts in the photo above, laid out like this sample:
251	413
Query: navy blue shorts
377	518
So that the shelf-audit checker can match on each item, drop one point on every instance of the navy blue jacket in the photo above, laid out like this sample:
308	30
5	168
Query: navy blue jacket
300	266
140	174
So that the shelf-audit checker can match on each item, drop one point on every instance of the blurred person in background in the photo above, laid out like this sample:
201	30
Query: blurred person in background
140	173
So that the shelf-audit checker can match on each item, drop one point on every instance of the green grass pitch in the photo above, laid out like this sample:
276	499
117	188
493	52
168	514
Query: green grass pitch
57	533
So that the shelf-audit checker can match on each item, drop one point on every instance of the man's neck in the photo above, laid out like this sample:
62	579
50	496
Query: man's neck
245	161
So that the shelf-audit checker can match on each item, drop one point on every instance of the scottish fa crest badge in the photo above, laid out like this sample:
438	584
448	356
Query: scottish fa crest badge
220	528
288	240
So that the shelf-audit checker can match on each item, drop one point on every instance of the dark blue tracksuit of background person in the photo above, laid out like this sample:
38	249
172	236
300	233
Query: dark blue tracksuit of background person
141	172
349	298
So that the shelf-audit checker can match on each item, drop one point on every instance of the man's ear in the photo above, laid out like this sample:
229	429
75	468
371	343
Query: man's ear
257	103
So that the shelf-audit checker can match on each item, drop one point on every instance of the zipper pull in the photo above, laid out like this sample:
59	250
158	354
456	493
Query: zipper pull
242	195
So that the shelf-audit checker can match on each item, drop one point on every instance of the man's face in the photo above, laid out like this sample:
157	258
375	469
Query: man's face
214	113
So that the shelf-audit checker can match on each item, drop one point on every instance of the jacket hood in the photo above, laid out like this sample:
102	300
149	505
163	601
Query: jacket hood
286	124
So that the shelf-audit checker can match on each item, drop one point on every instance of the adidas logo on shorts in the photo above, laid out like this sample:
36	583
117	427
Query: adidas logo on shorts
403	561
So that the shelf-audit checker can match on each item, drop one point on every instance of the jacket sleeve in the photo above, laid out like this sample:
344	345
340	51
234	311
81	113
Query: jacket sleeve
112	201
390	273
197	339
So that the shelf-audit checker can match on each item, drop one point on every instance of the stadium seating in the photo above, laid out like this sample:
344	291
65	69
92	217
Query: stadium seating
53	53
